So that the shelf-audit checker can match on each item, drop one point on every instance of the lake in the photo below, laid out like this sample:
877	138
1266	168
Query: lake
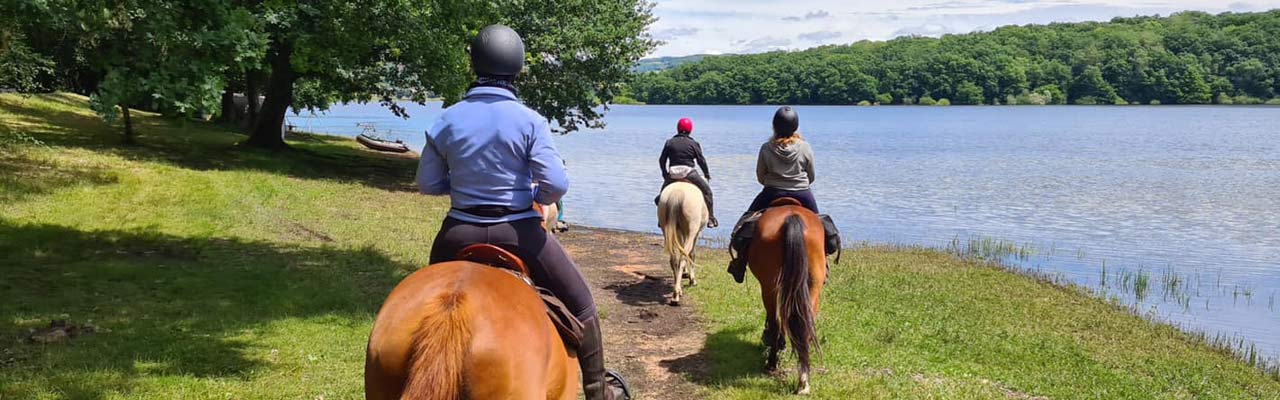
1171	210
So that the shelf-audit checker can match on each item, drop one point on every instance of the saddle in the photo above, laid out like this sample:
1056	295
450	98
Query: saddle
785	201
567	325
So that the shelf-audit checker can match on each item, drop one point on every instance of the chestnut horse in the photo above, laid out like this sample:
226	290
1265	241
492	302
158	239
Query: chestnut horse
682	213
788	258
461	329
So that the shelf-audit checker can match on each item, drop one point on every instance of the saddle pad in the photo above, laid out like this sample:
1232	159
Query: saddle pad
679	171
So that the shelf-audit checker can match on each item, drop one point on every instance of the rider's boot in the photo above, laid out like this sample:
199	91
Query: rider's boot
712	222
597	382
739	240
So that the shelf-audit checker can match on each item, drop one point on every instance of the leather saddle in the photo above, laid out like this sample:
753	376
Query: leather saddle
567	325
785	201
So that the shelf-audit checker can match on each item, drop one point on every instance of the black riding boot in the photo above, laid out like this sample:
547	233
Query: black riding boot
739	241
597	382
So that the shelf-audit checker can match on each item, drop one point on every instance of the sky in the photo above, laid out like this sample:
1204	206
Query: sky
753	26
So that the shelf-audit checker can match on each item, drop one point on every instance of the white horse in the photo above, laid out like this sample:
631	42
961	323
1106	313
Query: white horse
550	217
682	214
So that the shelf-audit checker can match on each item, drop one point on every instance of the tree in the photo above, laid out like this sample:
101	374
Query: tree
168	56
969	93
416	48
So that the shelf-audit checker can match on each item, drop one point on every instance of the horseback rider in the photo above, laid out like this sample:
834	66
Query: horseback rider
680	155
485	152
785	166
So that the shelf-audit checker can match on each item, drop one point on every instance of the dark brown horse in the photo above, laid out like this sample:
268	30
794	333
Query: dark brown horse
787	257
462	329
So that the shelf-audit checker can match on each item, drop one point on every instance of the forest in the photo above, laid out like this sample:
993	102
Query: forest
1185	58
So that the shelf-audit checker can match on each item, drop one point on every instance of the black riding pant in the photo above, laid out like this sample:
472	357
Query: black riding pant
547	261
768	195
695	177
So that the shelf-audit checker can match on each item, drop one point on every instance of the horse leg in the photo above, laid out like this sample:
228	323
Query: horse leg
677	270
772	337
690	244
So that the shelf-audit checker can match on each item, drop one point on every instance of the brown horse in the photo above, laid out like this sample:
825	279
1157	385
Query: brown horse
787	257
462	329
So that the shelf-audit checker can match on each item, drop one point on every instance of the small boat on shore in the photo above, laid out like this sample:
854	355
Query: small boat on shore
370	138
382	145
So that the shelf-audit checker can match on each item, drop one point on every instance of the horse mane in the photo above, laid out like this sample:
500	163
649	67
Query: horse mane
795	311
441	350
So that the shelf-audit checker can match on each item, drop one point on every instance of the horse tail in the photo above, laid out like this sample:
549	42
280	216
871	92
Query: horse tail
672	232
795	310
441	349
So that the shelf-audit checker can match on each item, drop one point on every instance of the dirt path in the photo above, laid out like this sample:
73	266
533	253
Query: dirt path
654	345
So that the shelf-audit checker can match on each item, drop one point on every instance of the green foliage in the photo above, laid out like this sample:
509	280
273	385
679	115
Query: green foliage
864	103
1154	102
22	69
167	56
1086	101
1245	99
1186	58
927	100
884	98
1225	99
1274	102
944	102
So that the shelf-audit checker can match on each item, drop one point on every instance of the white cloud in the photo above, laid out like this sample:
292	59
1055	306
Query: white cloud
743	26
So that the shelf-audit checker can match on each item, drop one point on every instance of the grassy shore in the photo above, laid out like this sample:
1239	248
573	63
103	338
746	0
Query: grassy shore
213	271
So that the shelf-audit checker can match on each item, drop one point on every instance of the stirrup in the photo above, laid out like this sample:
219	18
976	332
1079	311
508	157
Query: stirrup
612	379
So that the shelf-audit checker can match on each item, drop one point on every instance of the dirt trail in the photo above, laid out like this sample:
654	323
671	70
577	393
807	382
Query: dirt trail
653	344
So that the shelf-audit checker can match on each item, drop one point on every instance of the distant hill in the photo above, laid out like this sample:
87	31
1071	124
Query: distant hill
665	63
1185	58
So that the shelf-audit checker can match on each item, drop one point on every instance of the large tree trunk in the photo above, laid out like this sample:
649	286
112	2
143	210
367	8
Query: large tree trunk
267	129
229	114
128	125
252	83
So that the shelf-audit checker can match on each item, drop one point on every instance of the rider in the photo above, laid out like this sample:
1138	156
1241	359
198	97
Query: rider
679	156
485	152
785	168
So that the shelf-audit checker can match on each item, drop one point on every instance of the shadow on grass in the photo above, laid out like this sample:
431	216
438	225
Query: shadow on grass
206	146
725	360
168	306
22	176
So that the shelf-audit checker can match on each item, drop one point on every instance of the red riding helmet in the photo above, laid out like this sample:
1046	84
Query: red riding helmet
684	126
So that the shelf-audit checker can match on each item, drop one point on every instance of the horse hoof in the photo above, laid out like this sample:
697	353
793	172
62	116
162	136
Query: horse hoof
803	390
674	303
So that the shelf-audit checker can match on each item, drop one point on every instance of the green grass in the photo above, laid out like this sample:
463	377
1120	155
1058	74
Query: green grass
900	323
218	272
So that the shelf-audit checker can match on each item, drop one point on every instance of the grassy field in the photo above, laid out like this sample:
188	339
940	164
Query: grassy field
216	272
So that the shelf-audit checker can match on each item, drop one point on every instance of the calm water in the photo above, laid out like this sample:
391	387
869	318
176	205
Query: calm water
1173	210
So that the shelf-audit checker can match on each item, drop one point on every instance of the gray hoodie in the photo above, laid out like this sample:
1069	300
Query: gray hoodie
787	167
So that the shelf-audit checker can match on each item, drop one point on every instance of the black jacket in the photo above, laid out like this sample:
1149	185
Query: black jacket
681	149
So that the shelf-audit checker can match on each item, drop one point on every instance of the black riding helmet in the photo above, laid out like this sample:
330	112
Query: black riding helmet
785	122
497	51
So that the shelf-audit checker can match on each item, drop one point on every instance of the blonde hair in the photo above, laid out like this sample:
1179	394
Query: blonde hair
786	141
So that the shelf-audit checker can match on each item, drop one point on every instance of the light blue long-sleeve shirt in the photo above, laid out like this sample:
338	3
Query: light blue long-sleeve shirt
488	150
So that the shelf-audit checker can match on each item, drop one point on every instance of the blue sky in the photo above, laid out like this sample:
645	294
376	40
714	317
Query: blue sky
752	26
